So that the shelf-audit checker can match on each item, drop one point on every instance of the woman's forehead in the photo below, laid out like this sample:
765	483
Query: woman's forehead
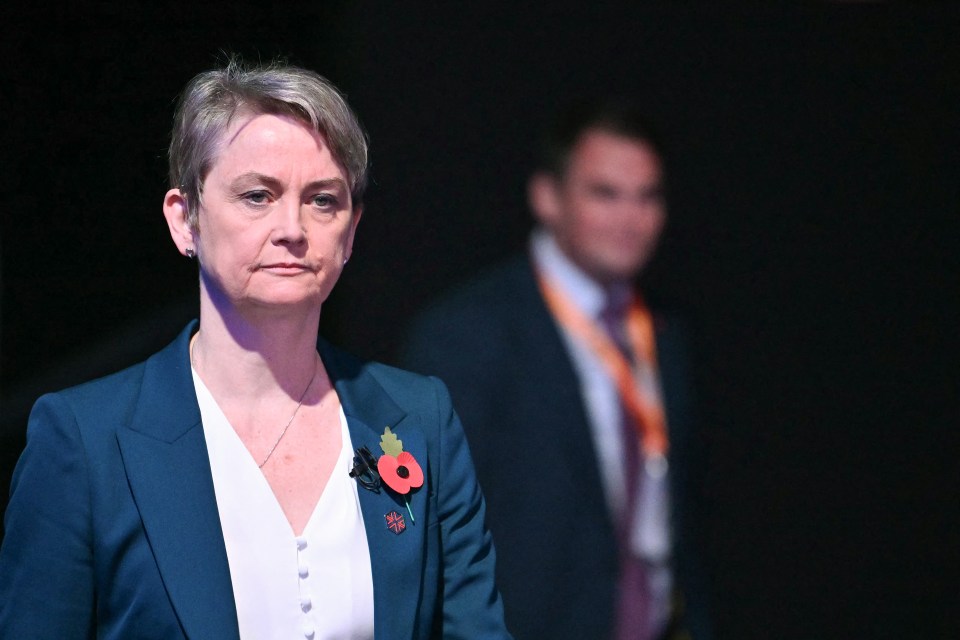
270	139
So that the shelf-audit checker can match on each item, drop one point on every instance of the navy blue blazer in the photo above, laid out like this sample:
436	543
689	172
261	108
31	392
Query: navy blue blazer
112	529
496	345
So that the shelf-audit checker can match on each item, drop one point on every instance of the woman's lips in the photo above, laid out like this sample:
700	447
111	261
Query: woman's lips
285	267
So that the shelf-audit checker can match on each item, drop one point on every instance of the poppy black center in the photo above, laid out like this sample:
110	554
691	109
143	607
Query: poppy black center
403	472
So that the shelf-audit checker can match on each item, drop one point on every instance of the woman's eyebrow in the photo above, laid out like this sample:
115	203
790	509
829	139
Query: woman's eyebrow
255	177
326	183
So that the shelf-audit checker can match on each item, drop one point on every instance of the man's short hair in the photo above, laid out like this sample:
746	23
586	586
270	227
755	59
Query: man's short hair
213	98
617	117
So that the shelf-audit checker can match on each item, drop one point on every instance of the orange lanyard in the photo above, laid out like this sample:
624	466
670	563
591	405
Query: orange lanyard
647	415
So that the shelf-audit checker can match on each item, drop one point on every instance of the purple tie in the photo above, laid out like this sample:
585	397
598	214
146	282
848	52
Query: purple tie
633	593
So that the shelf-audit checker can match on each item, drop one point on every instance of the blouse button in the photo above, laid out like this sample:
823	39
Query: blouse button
301	543
304	572
308	632
306	604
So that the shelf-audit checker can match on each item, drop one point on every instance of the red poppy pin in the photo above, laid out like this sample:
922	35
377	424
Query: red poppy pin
398	468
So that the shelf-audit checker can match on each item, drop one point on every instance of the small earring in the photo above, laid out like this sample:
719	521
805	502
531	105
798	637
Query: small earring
190	253
345	260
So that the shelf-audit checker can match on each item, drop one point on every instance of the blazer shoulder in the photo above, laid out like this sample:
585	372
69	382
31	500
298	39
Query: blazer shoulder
113	399
104	400
402	386
479	311
480	326
406	386
491	290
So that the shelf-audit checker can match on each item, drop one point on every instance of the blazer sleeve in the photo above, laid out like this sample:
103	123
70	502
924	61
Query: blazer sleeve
471	604
46	561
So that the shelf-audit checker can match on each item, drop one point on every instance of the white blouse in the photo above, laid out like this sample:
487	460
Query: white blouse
317	586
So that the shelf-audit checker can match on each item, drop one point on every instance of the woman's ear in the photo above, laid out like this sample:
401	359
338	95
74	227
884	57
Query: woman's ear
177	215
357	213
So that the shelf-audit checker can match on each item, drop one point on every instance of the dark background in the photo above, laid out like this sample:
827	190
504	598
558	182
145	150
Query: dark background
813	158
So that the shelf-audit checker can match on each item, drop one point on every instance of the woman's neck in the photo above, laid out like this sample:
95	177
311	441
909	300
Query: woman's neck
255	354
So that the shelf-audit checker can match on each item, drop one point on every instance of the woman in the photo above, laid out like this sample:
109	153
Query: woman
239	483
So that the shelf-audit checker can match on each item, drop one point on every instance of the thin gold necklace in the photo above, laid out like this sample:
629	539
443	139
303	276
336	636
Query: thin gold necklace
290	421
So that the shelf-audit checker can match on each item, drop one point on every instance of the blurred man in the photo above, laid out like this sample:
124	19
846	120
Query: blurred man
576	398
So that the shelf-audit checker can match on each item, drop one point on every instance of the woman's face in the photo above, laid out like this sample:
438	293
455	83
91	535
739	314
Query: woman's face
276	222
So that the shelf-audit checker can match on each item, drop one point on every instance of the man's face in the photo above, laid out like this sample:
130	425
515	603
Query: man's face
607	210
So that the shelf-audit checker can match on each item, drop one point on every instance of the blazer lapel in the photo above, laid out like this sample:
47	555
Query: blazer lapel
396	558
560	405
165	456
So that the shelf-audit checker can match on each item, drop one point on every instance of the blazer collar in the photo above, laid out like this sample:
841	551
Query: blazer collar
165	456
396	560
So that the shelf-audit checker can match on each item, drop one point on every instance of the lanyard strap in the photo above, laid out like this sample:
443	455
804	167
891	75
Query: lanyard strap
646	414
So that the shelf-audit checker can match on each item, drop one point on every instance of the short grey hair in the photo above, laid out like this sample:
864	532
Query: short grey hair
212	99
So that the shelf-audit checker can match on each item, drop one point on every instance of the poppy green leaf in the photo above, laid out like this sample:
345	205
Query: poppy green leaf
391	445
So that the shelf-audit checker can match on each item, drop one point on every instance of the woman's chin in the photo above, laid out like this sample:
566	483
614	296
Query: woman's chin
281	302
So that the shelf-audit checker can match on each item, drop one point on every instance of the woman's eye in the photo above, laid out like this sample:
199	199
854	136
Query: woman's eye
256	197
324	200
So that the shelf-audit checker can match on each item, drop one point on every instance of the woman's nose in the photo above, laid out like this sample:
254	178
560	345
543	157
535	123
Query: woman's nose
288	224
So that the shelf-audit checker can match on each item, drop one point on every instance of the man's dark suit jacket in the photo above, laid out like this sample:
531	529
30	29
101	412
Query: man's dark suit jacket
500	352
113	531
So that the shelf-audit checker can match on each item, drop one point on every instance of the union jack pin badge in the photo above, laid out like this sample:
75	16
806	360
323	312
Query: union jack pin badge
395	522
